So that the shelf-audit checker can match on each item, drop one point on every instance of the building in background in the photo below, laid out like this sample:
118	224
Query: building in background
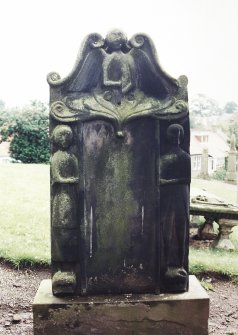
4	153
217	147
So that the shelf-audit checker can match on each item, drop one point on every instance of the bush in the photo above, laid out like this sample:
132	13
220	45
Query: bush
28	131
219	174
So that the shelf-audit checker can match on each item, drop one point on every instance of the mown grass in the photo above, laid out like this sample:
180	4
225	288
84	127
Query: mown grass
223	263
25	223
219	188
24	214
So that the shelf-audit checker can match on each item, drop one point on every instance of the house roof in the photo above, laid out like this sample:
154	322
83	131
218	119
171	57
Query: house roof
215	142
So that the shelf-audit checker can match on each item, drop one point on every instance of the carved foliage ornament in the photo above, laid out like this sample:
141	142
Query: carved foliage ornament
118	80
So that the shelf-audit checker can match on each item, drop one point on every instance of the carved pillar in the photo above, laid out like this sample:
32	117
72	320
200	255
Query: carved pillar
206	232
231	175
223	239
204	169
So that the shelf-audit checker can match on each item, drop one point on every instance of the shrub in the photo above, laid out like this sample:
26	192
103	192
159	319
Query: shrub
219	174
28	131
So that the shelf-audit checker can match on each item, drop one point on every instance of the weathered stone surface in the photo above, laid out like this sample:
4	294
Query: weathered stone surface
213	209
223	239
204	169
231	175
120	171
206	231
170	314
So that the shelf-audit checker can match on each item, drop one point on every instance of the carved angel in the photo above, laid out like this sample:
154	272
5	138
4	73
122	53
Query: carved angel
118	65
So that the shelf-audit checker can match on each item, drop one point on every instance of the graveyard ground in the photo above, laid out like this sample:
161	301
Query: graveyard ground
18	288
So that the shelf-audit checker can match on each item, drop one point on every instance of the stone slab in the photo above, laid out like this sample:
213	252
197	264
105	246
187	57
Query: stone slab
171	314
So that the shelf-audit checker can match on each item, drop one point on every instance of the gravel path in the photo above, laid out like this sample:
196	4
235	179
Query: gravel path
18	288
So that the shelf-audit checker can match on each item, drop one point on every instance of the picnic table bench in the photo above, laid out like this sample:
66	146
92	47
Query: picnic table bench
215	210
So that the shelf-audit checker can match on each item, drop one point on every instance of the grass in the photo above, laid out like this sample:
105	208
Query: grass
220	262
219	188
25	223
24	214
214	262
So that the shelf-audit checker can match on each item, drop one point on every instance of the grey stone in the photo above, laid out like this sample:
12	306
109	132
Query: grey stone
120	171
171	314
16	318
204	169
231	175
223	239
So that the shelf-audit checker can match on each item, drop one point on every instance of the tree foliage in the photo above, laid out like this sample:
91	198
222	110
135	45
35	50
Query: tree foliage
28	131
230	107
204	106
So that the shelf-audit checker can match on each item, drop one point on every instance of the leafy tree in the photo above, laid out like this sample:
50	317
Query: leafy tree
2	104
204	106
230	107
28	131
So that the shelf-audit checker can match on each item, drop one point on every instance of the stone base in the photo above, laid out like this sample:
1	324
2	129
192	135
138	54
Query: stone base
170	314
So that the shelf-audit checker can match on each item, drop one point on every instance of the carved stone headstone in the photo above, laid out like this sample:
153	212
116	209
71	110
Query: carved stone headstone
120	171
205	159
231	175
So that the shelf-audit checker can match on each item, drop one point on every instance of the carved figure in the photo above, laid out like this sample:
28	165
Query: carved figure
64	164
119	81
65	176
175	179
117	66
123	65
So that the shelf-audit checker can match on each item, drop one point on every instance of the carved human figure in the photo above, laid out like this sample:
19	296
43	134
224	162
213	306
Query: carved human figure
65	176
64	164
174	204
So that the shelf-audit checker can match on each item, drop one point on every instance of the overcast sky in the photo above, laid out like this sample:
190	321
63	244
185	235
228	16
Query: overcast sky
193	37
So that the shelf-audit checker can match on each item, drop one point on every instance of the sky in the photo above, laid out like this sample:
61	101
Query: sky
197	38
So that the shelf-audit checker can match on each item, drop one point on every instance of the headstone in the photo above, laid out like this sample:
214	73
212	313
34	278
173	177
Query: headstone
120	175
231	175
204	167
120	171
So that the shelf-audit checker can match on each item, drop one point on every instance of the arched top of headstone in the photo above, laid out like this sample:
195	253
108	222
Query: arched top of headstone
119	79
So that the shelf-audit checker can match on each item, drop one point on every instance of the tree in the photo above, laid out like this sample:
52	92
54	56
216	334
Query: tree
28	131
204	106
202	109
230	107
2	104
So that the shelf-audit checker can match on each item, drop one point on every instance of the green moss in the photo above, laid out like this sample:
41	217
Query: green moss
115	207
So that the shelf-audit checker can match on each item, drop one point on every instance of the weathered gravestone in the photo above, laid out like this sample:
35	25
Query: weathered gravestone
120	173
231	175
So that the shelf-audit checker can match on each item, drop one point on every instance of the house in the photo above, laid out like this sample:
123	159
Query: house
4	153
217	150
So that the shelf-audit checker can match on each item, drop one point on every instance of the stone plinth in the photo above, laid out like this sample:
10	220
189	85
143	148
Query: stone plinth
182	314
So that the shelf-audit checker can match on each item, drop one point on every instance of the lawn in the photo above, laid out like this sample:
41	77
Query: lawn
25	223
219	188
24	213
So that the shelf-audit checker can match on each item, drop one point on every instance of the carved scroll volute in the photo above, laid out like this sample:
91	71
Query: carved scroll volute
119	81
